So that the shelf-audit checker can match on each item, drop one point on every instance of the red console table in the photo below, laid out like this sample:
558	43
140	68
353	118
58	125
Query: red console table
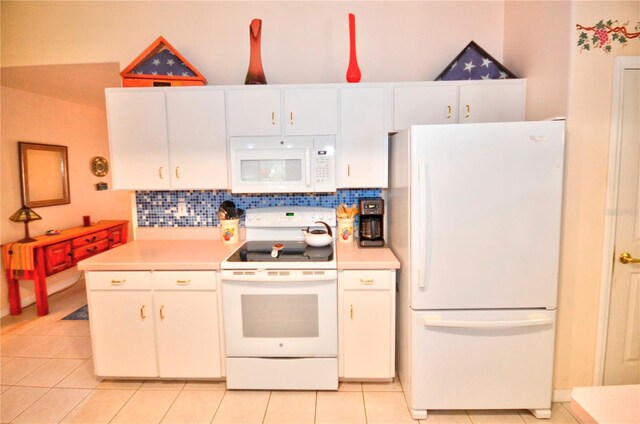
51	254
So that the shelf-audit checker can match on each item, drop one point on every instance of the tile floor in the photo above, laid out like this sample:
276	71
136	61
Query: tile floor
46	376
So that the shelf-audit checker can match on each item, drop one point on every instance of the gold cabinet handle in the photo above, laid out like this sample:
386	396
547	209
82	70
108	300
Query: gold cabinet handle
177	172
467	111
160	173
183	282
162	312
348	170
366	281
448	111
626	258
351	311
291	118
273	118
117	282
142	315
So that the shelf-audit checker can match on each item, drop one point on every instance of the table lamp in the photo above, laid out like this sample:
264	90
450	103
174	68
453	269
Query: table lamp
24	214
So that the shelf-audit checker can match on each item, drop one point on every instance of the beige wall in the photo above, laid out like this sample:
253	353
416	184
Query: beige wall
540	43
301	41
586	179
35	118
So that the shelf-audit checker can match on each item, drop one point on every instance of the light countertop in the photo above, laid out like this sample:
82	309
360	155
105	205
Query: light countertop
352	256
207	254
161	255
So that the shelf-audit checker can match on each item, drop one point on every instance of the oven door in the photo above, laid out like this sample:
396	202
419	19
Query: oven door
277	313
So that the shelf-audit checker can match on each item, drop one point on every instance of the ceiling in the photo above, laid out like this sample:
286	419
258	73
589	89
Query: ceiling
80	83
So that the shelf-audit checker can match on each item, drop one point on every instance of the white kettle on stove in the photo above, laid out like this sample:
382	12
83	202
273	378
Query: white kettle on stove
318	237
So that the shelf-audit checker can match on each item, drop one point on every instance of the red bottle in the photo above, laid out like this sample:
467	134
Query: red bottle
353	71
255	73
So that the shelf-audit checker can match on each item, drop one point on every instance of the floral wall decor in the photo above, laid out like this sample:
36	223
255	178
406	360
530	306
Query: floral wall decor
604	35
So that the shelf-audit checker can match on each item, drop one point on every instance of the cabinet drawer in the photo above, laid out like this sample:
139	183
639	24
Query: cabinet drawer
89	238
90	250
367	279
119	280
184	280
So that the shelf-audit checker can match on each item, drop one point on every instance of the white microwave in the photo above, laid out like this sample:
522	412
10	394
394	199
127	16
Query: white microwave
283	164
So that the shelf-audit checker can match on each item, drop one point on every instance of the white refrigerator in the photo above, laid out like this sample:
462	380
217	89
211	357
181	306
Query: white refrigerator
474	216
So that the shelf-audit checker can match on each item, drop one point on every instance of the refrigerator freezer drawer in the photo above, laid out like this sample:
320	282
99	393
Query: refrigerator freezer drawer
489	359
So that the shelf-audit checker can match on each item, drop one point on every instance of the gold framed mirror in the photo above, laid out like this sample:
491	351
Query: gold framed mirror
44	170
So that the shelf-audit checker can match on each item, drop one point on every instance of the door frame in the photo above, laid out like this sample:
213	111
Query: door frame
621	64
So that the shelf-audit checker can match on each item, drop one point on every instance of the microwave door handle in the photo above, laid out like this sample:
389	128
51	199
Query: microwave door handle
307	158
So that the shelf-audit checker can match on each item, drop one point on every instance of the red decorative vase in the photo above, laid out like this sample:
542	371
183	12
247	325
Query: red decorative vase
353	71
255	73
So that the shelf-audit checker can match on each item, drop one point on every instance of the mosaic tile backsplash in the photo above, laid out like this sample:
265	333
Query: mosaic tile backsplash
160	208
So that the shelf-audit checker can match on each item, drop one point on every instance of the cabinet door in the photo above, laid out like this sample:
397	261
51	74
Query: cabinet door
363	141
138	139
311	111
188	334
499	102
420	105
252	112
117	236
367	334
122	333
197	139
57	257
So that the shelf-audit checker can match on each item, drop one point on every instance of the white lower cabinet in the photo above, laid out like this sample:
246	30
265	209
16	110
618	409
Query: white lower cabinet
367	324
155	324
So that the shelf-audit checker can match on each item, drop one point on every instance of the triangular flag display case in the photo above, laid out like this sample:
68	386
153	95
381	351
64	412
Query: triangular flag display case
161	65
474	63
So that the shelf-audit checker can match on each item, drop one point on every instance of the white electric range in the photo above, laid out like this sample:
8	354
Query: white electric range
280	306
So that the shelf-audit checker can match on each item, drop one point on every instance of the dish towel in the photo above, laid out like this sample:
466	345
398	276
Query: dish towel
18	257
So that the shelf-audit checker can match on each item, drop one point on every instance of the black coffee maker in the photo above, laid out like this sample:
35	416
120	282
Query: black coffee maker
371	218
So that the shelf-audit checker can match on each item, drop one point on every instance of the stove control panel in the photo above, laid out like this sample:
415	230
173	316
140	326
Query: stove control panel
289	216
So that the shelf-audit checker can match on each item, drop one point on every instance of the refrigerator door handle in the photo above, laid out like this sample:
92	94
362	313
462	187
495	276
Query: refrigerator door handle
422	190
532	322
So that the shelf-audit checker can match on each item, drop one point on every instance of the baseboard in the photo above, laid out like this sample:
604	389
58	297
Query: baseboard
562	395
55	283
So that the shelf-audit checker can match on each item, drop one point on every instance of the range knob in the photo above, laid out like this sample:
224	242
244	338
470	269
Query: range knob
249	216
320	216
258	217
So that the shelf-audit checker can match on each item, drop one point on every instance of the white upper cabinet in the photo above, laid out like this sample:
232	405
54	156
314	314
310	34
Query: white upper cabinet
138	139
452	102
254	111
167	138
492	102
363	138
311	111
430	104
303	111
197	139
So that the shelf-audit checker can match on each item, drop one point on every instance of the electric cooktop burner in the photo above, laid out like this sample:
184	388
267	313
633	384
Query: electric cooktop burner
281	251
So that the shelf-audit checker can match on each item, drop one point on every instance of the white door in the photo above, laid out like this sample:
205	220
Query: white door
252	112
311	111
435	104
188	334
485	215
197	139
138	139
367	334
122	333
622	357
363	138
499	102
